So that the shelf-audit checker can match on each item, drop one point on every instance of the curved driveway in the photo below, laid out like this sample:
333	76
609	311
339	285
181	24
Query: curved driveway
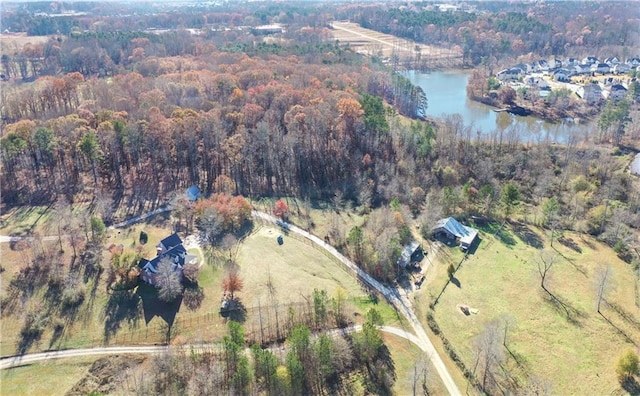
399	302
22	360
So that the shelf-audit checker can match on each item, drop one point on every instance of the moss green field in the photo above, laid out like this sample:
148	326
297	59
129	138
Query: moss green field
566	342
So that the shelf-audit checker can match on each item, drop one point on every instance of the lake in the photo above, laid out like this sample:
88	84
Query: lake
447	94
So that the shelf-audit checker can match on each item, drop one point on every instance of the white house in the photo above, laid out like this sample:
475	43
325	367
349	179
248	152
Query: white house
621	68
612	60
511	74
617	92
555	63
583	68
600	68
590	60
633	62
590	93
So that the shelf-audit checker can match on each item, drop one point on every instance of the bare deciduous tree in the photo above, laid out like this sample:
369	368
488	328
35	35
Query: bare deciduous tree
545	263
191	271
489	355
231	245
168	280
421	376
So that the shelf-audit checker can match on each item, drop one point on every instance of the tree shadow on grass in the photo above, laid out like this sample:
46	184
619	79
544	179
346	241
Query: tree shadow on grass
569	243
122	306
526	235
456	282
577	267
630	385
573	315
619	330
626	316
505	237
382	373
235	311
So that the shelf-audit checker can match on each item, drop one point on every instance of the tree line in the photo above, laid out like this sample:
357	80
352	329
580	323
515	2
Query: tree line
307	363
558	29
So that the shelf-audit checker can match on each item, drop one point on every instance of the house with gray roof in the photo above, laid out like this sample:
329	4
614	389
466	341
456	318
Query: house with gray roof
411	254
452	229
170	248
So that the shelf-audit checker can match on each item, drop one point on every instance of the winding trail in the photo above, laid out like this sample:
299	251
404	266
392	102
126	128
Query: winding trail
401	303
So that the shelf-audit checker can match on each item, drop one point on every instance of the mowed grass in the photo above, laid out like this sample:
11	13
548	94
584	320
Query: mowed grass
568	344
296	269
25	220
54	377
406	355
293	270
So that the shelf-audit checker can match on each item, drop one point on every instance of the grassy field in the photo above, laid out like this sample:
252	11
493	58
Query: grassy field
564	341
405	355
94	324
374	43
295	269
55	377
289	273
10	42
24	220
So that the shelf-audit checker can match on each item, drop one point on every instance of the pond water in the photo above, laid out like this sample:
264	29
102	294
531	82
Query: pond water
447	94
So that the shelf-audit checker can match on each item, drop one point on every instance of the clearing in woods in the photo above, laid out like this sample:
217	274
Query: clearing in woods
375	43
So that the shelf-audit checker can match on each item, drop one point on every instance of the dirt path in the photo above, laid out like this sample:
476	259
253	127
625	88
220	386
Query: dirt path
401	303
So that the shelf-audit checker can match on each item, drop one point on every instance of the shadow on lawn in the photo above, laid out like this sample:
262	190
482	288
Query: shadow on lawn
505	237
627	316
527	235
631	385
123	306
573	314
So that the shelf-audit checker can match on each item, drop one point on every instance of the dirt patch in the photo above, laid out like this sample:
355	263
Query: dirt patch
105	375
375	43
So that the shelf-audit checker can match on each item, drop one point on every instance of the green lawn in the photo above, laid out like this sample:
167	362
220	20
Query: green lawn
55	377
568	344
405	354
296	268
25	220
288	273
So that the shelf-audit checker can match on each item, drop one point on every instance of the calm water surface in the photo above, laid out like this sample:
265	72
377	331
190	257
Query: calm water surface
447	94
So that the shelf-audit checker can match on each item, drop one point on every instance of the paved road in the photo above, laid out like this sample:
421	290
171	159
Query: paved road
13	361
401	303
